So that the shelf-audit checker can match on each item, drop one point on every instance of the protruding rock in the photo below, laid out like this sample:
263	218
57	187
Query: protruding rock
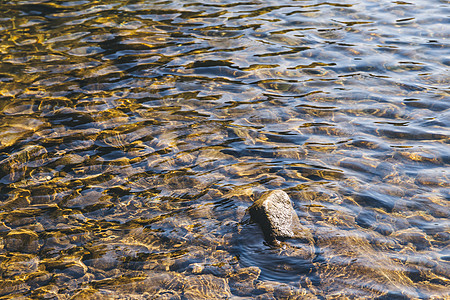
277	218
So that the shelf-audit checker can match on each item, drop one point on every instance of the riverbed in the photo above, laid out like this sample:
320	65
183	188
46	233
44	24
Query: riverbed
135	134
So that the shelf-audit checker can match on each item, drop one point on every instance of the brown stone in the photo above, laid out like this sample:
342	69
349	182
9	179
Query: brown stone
206	287
242	282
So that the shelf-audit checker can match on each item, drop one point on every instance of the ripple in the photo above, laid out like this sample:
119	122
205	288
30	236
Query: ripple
134	135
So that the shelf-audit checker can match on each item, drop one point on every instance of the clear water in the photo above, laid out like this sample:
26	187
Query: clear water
134	134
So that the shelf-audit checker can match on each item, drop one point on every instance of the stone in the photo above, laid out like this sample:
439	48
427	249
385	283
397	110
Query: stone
19	264
277	218
22	240
242	282
206	287
165	295
16	165
414	236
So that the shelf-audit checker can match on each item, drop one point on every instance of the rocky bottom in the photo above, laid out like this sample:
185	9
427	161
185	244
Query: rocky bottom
202	251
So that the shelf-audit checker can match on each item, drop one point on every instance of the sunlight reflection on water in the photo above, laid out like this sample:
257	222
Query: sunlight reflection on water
134	134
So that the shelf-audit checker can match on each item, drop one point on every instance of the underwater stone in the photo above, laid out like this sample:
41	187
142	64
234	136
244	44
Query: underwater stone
276	216
242	282
19	264
74	268
206	287
22	240
414	236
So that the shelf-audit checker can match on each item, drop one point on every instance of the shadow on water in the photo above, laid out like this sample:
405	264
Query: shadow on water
279	264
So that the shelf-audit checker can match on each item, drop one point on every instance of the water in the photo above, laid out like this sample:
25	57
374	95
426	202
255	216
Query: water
134	134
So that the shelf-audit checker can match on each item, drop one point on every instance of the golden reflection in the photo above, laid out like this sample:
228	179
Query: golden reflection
134	136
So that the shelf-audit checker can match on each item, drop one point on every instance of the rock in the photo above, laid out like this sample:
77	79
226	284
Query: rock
16	165
277	218
37	279
414	236
4	228
165	295
384	229
218	269
242	282
22	240
87	293
350	261
206	287
19	264
70	266
278	290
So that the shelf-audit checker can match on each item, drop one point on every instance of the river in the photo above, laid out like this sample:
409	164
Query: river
135	134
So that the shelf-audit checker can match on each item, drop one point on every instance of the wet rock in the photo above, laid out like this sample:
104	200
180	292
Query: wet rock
196	268
358	165
285	292
384	229
87	293
22	240
385	169
319	194
276	217
110	256
89	198
242	282
4	228
442	237
71	159
15	166
49	291
157	283
201	211
19	219
70	266
56	241
349	261
435	177
7	287
75	269
61	279
166	295
194	255
414	236
103	257
443	268
266	296
217	269
39	279
206	287
19	264
277	290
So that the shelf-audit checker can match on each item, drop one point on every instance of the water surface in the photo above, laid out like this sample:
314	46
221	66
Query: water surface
134	134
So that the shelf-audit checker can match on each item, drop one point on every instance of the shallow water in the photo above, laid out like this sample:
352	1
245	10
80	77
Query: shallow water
134	134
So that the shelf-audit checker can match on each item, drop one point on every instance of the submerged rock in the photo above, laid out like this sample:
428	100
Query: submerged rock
22	240
206	287
277	218
242	282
